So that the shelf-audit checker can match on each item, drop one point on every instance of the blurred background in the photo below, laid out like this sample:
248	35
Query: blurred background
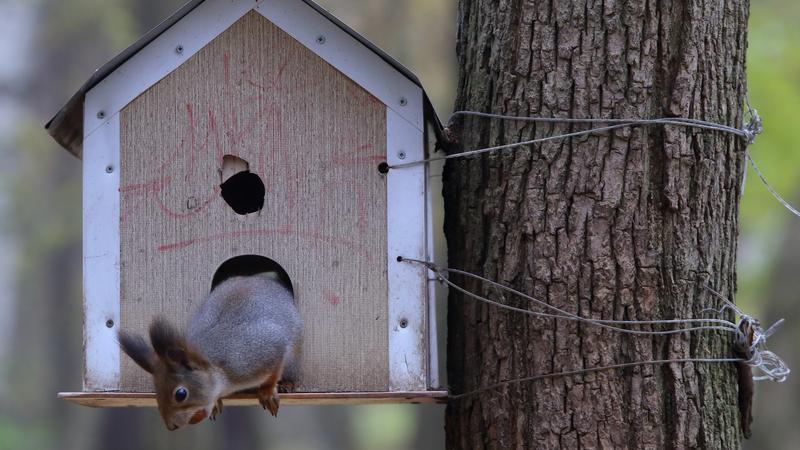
48	48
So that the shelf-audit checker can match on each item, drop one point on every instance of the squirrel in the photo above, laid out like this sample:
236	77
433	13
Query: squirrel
246	334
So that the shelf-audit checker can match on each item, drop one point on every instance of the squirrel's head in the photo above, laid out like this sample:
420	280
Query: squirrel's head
183	379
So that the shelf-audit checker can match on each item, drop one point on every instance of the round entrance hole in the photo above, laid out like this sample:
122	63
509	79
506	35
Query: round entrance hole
246	265
243	191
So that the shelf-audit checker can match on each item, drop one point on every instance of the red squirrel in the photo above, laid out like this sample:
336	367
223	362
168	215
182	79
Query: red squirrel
245	334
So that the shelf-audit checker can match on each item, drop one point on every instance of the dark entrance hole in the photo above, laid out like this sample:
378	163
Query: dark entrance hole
241	189
246	265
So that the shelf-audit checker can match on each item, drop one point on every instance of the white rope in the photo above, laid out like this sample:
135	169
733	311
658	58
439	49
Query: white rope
770	188
772	366
508	146
762	359
592	369
720	324
747	132
752	128
679	121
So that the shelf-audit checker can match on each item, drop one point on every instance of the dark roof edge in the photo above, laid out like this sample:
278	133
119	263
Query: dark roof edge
66	127
429	110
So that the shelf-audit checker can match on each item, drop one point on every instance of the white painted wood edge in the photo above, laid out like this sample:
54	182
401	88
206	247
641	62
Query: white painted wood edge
408	287
430	241
160	57
346	54
101	257
212	17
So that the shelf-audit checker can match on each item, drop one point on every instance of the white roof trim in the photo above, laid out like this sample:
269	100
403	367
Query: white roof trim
212	17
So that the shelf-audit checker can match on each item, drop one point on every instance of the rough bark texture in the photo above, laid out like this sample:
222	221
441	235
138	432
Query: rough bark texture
624	225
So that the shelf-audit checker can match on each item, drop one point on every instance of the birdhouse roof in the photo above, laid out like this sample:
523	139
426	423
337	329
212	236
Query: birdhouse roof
66	127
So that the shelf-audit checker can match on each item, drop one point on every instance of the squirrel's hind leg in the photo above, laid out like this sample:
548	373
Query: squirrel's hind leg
268	391
217	409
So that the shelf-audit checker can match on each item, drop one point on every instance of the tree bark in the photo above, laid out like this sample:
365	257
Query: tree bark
628	224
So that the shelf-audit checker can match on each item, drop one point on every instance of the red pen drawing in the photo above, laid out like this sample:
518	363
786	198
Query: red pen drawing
331	297
184	184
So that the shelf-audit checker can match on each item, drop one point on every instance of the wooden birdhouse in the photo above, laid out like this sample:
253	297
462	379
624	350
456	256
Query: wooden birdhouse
241	136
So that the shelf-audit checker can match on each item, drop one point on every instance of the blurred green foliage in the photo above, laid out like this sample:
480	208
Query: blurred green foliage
773	71
388	427
72	38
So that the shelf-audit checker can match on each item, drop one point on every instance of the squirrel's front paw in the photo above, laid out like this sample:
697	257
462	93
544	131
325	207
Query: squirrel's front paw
217	409
270	401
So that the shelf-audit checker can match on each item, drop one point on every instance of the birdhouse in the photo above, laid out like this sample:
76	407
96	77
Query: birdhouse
242	136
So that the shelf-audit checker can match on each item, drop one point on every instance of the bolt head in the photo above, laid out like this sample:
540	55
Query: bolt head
403	101
401	154
101	114
179	49
109	169
321	39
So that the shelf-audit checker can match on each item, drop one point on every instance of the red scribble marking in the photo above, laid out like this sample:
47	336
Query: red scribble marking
170	213
193	142
349	154
150	186
249	102
316	237
226	64
220	236
275	82
350	160
361	206
182	162
331	297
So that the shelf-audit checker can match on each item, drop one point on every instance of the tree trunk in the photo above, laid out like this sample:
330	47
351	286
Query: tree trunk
628	224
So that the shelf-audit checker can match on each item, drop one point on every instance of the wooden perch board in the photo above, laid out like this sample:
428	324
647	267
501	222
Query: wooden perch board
139	399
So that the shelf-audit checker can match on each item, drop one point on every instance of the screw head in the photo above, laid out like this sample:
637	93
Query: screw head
179	49
403	323
110	323
101	114
403	101
321	39
401	154
109	169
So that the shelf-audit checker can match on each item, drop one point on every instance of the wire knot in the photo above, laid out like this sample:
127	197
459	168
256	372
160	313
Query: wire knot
753	127
752	342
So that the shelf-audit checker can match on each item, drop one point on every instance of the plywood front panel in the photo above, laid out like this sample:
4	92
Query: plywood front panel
315	138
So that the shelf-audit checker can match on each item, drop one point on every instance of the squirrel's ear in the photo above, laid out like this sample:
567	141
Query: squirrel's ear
164	337
171	347
138	350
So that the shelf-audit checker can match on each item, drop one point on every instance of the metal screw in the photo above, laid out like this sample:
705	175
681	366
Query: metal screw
401	154
110	323
109	168
179	49
403	323
101	114
321	39
403	101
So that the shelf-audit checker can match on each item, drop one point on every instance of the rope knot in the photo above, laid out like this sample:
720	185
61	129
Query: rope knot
753	127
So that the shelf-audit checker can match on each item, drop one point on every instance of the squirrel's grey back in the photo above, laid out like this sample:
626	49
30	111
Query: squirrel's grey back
246	326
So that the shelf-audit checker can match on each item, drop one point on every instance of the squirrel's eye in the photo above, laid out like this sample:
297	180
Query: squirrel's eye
181	394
